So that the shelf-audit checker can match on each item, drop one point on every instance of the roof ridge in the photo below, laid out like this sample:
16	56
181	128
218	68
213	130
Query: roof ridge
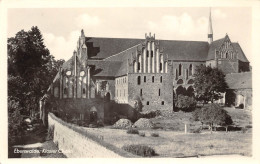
120	52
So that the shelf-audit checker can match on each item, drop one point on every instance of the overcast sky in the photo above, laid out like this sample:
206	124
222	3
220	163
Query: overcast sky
61	27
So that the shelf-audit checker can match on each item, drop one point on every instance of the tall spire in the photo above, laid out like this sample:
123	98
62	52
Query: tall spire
210	30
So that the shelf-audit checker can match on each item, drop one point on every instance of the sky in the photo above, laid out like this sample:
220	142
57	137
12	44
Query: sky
61	26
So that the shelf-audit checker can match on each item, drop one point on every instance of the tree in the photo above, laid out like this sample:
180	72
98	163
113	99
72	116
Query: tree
212	114
209	83
185	103
31	69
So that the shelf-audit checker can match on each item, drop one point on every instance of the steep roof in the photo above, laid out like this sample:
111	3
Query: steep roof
241	55
239	80
214	45
185	50
105	68
109	46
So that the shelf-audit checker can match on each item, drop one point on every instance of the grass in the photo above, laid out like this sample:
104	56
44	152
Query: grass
174	143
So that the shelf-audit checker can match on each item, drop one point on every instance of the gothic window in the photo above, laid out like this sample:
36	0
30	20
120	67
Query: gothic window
151	53
65	91
190	70
160	66
180	69
161	79
159	92
139	63
144	78
186	73
141	92
139	80
153	79
180	81
84	91
176	73
147	53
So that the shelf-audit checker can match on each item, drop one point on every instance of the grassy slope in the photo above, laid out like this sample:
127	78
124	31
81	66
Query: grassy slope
172	142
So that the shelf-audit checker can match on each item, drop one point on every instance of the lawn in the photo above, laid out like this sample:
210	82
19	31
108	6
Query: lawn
173	142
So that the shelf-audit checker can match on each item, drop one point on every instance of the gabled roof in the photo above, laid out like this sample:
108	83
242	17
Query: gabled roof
185	50
213	46
105	68
241	55
109	46
241	80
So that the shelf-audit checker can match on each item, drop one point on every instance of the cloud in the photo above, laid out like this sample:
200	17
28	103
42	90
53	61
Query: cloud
217	13
86	20
61	47
181	27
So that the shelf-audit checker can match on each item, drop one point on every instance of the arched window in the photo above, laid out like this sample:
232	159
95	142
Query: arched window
139	80
139	63
180	69
144	78
162	102
153	79
161	79
159	92
141	92
65	91
147	103
190	70
180	81
135	66
84	91
176	73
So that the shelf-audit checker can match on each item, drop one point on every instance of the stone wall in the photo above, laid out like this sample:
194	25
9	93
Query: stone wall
76	142
156	94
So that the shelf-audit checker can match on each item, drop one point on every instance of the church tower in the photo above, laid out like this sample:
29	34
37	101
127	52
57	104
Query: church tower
210	30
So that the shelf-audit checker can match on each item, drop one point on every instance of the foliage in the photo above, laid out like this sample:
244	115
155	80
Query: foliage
209	83
141	150
185	103
151	114
31	68
154	134
142	134
132	131
212	114
50	134
14	122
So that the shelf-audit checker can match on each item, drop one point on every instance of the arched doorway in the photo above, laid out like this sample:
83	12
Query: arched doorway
107	97
190	91
93	114
180	90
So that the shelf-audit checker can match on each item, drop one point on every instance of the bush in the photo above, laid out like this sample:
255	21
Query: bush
132	131
141	150
198	130
142	134
185	103
151	114
50	134
154	134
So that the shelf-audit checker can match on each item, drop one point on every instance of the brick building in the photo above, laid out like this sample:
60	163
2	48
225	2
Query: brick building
119	68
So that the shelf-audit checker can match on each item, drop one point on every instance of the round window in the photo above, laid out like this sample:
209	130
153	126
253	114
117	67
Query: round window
68	73
82	73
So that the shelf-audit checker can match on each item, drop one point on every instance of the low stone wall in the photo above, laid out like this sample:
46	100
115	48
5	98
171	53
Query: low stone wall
76	142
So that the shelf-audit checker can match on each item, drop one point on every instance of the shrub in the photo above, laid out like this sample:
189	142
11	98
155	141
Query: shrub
198	130
142	134
151	114
154	134
141	150
132	131
50	134
185	103
241	106
212	114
